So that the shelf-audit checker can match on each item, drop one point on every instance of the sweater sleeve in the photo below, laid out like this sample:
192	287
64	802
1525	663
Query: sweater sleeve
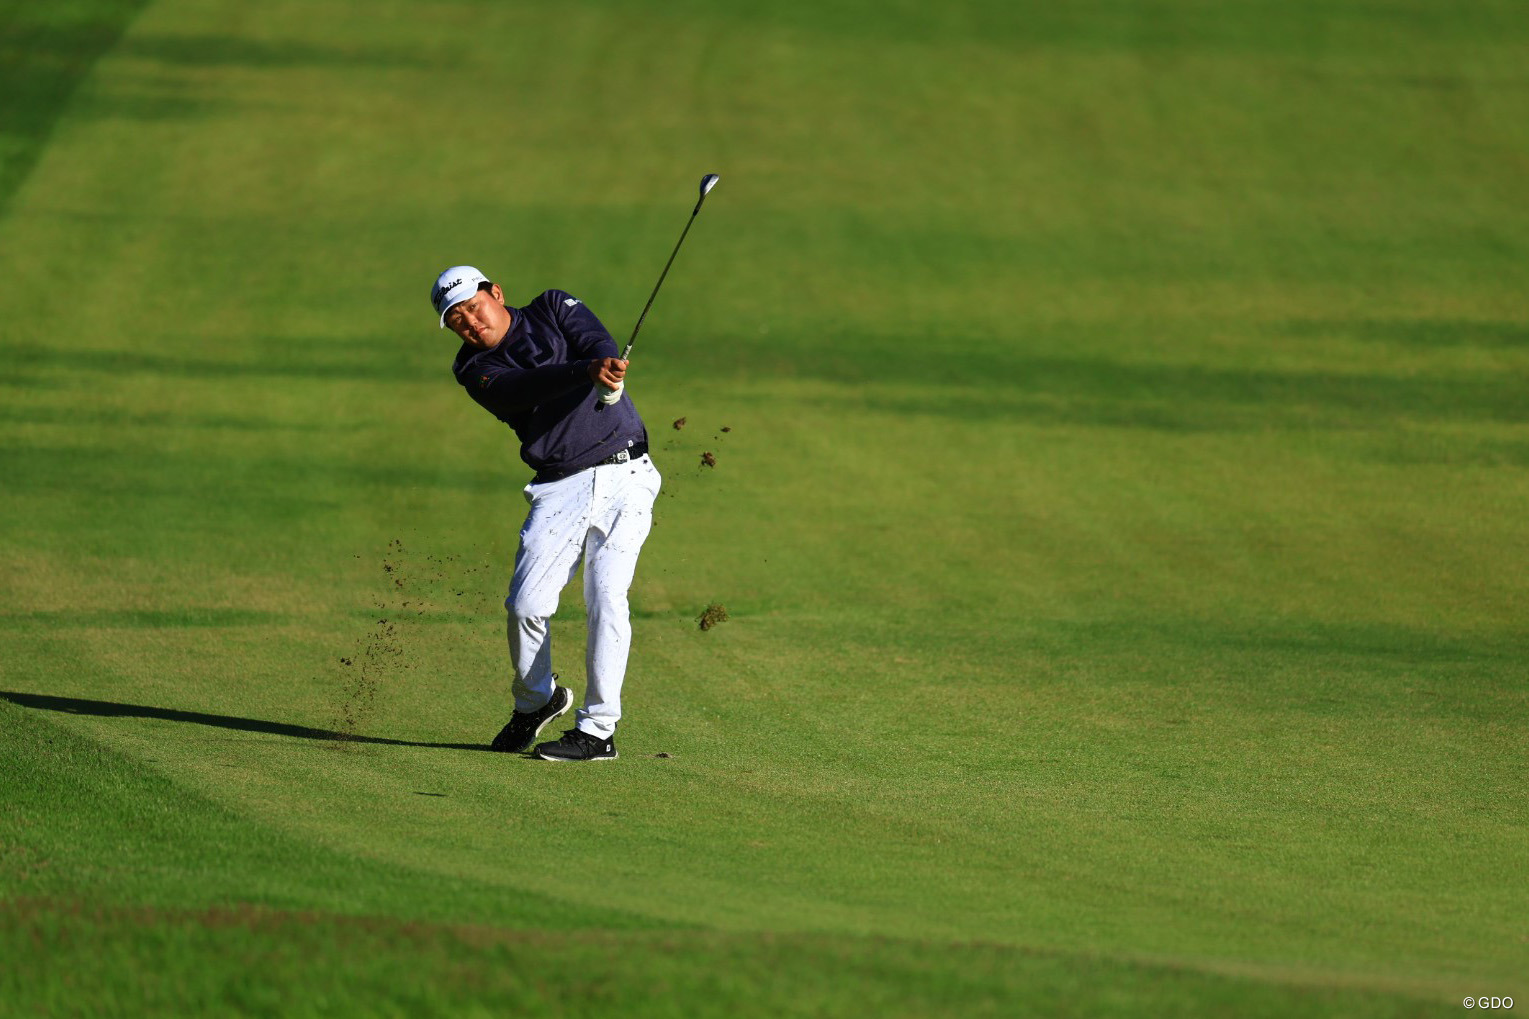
504	390
587	337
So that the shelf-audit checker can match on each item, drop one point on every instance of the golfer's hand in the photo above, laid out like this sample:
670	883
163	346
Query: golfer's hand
607	372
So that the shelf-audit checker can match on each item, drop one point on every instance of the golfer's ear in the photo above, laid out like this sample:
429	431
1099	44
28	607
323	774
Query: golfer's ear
496	293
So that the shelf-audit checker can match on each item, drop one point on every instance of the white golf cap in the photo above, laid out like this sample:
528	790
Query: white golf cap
454	286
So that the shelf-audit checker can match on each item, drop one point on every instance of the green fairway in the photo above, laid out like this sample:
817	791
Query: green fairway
1121	508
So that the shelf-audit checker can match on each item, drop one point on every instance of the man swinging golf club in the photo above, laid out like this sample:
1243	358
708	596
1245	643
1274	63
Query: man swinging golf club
537	369
549	370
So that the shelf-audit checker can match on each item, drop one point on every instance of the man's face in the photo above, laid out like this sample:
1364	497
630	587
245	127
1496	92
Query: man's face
482	320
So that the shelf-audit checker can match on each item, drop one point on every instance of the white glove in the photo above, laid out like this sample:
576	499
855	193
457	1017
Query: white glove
609	396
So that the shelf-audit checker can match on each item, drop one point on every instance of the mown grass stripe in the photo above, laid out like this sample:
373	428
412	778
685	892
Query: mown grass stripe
46	50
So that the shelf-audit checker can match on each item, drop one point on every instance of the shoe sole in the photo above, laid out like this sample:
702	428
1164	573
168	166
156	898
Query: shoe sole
576	760
559	713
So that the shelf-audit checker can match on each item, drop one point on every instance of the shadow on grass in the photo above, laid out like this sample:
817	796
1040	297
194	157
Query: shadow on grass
46	50
110	709
232	50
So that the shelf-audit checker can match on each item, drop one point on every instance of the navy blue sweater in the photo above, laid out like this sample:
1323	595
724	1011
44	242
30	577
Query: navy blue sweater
537	382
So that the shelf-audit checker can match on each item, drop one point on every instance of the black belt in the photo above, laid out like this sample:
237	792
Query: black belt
632	452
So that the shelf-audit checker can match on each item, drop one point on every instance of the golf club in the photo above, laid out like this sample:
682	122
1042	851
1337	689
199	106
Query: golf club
609	396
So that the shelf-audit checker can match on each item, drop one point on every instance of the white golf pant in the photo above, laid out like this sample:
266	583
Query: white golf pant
601	515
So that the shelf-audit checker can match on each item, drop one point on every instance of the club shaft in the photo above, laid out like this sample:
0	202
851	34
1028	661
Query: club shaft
626	354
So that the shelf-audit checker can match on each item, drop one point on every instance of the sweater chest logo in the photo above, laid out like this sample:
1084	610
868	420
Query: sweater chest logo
485	380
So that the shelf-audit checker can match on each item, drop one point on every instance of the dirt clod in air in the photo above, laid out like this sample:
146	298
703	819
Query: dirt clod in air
708	460
679	423
726	429
713	615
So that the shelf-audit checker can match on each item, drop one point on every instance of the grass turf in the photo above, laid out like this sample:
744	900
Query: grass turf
304	950
1120	522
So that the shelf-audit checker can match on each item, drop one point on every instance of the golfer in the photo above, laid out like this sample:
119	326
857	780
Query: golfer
537	369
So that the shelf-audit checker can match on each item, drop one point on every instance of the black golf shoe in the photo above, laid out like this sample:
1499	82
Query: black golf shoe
525	726
577	745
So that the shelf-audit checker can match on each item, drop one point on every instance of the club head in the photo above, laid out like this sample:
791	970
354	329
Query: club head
708	182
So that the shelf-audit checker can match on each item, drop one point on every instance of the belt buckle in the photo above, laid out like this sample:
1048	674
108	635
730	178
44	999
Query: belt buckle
621	457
